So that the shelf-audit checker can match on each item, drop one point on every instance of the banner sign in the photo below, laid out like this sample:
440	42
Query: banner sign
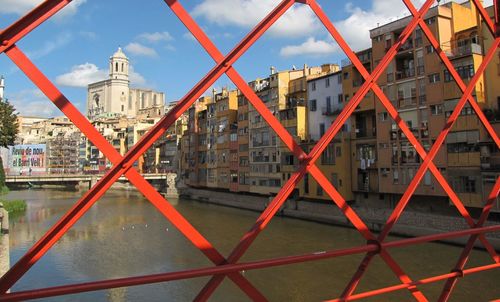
27	159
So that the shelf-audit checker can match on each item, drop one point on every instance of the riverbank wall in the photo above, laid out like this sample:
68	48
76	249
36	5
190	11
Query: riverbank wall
410	224
4	241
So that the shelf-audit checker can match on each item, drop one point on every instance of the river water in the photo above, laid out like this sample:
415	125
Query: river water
123	235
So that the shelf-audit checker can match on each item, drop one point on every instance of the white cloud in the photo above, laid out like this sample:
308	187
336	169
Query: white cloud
311	47
136	78
156	37
299	20
355	28
21	7
140	50
18	7
32	102
189	36
69	10
51	45
84	74
89	35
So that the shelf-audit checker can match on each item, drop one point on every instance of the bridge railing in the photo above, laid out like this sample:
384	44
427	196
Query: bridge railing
230	266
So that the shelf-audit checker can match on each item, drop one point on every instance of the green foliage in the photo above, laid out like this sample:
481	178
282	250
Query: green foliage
13	206
4	190
8	124
2	175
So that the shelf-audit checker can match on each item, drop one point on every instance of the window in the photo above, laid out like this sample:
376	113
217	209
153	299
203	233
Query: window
327	82
346	75
383	116
123	108
313	86
339	79
340	98
313	105
434	78
321	129
436	109
427	178
395	176
319	190
306	184
447	76
388	41
429	49
338	151
431	20
328	156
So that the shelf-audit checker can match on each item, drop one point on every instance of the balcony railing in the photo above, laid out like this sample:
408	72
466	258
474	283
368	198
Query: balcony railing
406	102
328	111
408	45
405	73
465	50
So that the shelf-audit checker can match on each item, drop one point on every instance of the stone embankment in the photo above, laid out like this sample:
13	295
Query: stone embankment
410	224
4	241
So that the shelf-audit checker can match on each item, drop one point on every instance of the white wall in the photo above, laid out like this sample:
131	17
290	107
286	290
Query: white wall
320	94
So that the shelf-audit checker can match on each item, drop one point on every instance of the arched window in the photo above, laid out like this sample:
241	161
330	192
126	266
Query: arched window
123	64
116	66
474	38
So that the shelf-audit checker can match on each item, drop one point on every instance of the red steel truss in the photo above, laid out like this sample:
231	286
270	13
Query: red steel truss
229	266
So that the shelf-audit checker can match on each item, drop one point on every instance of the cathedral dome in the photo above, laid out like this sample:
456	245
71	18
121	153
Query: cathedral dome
119	54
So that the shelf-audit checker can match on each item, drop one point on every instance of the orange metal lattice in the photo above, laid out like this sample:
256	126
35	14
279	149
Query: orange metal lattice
229	266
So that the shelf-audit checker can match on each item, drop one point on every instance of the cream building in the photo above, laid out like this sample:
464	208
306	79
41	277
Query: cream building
114	95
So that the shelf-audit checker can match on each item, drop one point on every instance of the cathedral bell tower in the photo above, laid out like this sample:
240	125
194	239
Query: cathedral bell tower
118	66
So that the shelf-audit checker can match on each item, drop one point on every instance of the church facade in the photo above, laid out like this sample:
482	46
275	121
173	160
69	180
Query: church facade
115	97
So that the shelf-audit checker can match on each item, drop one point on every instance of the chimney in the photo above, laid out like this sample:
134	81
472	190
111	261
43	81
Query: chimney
306	71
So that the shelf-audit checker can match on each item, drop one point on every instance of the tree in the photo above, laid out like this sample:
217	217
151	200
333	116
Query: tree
8	124
8	131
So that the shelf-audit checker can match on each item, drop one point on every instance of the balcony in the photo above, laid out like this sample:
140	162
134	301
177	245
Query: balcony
328	111
465	50
357	82
405	73
407	102
422	99
408	45
365	133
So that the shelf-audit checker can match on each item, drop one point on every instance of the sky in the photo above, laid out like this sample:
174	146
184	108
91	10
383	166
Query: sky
74	47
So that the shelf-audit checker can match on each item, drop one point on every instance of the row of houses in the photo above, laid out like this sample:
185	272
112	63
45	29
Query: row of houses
228	145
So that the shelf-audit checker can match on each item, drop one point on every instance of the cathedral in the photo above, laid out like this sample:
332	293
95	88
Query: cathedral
115	97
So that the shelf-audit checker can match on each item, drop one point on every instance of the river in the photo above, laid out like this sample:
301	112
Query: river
123	235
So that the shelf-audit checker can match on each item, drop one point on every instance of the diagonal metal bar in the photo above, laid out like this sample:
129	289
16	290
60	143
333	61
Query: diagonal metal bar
151	136
413	140
135	178
411	137
486	18
464	256
432	153
285	137
308	161
394	114
15	32
461	84
231	268
370	81
430	280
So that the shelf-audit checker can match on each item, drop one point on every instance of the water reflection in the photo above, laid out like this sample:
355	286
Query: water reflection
123	235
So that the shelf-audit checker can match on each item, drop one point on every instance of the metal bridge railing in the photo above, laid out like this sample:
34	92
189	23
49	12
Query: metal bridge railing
229	266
